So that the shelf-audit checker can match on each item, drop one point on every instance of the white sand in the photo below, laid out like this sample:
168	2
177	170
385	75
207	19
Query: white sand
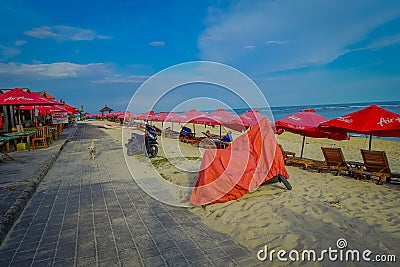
319	210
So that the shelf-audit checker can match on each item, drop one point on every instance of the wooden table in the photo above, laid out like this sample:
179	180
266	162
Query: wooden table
3	154
8	139
25	134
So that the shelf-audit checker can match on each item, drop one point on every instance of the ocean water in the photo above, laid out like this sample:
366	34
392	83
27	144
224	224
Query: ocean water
329	111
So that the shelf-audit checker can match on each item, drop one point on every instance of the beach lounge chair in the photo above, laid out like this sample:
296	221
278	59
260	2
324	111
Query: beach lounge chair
291	159
225	141
376	164
287	155
187	136
335	161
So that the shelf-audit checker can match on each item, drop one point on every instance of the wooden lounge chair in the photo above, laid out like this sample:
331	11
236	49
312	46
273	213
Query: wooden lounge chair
335	161
376	164
40	138
287	155
291	159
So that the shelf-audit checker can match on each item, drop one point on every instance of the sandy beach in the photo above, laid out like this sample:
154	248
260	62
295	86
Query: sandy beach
321	209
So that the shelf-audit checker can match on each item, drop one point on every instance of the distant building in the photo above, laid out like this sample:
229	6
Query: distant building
105	109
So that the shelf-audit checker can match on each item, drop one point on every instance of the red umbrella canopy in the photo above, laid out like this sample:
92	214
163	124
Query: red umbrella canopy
174	117
44	109
306	123
125	115
146	116
160	116
71	108
251	118
220	116
371	120
18	96
54	102
191	115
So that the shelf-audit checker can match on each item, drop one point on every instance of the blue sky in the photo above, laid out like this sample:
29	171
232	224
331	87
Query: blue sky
298	52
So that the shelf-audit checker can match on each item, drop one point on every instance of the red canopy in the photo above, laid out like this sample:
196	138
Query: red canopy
228	174
251	118
306	123
125	115
161	116
44	109
372	120
19	97
54	102
146	116
191	115
218	117
71	108
174	117
221	117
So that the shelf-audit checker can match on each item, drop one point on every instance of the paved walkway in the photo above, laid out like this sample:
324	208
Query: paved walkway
84	215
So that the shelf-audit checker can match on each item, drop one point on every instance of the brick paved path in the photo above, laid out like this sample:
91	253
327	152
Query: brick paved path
84	215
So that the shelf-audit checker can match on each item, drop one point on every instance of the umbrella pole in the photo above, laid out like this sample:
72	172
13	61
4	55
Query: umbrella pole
194	129
220	131
302	146
19	115
370	140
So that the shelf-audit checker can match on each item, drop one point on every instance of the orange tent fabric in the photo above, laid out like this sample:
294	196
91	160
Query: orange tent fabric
228	174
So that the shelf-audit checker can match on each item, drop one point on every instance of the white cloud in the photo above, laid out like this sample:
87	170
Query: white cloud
53	70
295	34
276	42
19	43
122	79
8	52
385	41
65	33
157	43
249	47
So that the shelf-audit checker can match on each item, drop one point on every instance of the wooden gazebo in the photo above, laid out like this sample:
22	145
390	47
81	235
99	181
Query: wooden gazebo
105	109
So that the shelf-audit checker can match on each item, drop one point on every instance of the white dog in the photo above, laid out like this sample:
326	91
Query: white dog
92	150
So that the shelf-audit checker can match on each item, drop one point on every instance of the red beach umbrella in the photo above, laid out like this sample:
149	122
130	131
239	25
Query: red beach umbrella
174	117
306	123
71	108
18	97
146	116
220	117
372	120
191	115
251	118
160	116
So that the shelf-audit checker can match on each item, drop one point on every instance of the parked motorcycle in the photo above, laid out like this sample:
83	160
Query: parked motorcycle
150	140
143	144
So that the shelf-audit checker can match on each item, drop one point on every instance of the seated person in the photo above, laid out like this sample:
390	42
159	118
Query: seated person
209	134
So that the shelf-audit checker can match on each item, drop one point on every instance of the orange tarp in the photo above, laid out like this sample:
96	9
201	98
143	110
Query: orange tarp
228	174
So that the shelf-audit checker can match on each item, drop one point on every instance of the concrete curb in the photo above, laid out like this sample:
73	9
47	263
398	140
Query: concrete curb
13	213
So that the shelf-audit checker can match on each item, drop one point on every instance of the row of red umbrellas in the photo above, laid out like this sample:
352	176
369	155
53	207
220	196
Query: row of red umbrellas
28	101
219	117
372	120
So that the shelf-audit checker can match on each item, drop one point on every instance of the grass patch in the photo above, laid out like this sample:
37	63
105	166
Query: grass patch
192	158
159	161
